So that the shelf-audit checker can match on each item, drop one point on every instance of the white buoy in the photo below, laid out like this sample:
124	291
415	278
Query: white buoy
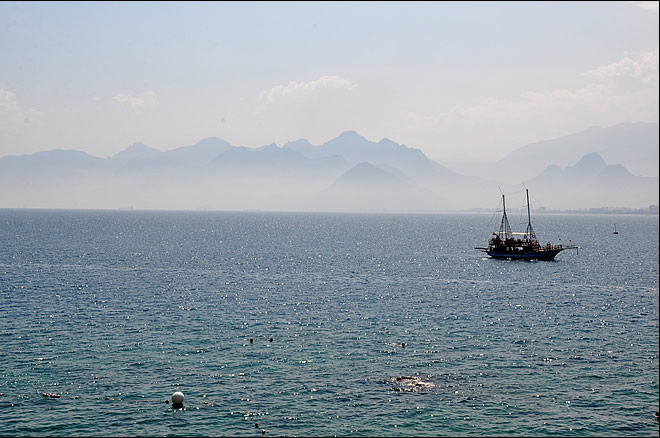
177	398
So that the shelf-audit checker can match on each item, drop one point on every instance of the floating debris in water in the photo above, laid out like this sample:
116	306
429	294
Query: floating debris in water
409	383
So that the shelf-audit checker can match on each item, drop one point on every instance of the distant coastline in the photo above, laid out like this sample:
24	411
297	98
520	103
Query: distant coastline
650	210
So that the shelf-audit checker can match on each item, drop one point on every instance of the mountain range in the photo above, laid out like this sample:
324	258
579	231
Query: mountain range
633	145
347	173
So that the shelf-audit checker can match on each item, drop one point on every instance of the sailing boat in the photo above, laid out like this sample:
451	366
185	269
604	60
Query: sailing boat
520	246
615	231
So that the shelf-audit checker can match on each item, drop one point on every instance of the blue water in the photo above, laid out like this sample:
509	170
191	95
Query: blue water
115	311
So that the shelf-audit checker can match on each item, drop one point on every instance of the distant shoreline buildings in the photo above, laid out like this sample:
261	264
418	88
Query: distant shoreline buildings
651	210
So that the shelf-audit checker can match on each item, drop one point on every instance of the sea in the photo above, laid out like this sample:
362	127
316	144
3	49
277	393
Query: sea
324	324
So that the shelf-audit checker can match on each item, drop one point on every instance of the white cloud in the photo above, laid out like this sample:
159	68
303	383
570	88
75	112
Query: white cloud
7	101
294	88
625	90
12	114
602	95
145	99
644	69
653	6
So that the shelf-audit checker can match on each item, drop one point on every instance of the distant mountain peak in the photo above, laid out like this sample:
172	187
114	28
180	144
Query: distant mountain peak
350	135
207	139
212	141
617	170
591	160
632	144
303	142
138	146
367	173
137	149
553	169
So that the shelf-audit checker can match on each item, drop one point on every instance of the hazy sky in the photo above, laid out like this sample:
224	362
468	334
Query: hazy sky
454	79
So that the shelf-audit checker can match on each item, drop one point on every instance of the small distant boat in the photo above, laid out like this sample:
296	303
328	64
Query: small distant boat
615	231
520	246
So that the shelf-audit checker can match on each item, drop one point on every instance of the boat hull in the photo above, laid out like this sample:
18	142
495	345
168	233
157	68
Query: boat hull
547	255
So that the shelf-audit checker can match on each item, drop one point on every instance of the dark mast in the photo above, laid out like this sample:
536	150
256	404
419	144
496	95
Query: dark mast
505	228
529	232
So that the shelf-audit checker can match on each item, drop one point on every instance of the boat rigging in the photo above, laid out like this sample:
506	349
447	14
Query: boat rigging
506	244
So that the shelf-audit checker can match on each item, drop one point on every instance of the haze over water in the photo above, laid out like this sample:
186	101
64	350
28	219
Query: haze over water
114	311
